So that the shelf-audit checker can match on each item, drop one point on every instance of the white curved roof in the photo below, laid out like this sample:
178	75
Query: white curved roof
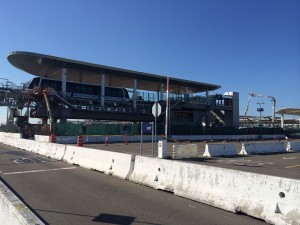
289	111
50	67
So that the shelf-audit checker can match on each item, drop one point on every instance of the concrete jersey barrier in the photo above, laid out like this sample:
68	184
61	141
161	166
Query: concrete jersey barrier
293	146
112	163
185	151
273	199
13	211
223	149
262	147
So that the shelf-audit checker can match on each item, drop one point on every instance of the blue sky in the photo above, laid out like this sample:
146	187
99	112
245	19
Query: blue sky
242	45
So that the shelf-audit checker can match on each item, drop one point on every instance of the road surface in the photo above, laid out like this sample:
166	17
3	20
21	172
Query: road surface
65	194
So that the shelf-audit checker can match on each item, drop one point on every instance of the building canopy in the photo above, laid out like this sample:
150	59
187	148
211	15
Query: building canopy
51	67
289	111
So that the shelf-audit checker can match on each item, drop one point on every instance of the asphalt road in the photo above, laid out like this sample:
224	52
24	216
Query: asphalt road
65	194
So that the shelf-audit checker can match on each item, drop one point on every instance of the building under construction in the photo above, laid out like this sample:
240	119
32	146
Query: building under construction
63	89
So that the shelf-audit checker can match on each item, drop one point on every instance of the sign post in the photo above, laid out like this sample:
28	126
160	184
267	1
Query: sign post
156	111
167	110
141	145
152	126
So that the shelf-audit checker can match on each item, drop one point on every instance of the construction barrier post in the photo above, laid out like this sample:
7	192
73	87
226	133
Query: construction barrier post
79	140
52	138
125	139
106	140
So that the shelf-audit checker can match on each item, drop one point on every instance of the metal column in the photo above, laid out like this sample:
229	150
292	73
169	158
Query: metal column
102	90
161	91
282	121
134	93
64	81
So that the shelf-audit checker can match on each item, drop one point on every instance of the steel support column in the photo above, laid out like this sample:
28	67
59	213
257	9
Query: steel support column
102	90
64	81
134	93
161	91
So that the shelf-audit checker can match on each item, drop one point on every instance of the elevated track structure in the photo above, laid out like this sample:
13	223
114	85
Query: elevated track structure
68	89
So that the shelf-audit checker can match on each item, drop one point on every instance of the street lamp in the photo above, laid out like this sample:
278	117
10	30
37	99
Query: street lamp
260	109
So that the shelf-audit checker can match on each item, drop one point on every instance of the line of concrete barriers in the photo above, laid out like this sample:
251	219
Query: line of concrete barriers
229	149
273	199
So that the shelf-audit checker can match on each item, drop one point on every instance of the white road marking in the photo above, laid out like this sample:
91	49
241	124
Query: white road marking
36	171
290	157
287	167
28	160
245	162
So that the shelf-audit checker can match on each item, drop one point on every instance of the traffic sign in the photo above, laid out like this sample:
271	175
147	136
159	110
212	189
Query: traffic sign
156	109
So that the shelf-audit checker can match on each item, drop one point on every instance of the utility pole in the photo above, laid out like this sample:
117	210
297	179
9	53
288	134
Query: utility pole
260	109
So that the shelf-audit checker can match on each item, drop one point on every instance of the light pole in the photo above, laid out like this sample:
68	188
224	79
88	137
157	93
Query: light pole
260	109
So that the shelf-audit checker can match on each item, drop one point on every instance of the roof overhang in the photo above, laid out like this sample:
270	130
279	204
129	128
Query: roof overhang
289	111
77	71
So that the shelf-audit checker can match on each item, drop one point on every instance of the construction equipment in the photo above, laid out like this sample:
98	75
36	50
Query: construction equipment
273	100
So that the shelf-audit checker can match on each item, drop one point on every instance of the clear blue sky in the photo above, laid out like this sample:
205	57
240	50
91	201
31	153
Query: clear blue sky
242	45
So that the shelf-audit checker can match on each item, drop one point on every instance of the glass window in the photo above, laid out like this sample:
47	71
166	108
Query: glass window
83	89
69	87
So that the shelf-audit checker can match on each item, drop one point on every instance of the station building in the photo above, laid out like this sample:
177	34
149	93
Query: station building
64	89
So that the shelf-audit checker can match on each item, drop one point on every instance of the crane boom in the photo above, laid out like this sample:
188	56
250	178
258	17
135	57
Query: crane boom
273	100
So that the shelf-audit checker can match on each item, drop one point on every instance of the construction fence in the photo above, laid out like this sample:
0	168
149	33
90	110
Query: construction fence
73	129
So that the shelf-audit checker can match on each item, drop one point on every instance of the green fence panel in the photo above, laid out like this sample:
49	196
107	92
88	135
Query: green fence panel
112	129
96	129
67	129
135	129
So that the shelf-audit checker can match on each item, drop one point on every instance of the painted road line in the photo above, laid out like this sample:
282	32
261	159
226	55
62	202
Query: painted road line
288	167
37	171
290	157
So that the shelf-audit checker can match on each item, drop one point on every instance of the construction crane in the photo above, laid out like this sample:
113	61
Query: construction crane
273	100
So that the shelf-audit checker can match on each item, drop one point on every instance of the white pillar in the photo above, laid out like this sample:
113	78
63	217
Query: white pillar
134	93
64	81
167	110
282	121
207	97
102	90
206	117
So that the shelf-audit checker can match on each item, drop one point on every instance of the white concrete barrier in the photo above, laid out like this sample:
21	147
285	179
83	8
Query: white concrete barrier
224	137
51	150
69	154
25	144
94	139
293	146
262	147
112	163
60	151
273	199
185	151
13	135
13	211
41	138
36	147
219	149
